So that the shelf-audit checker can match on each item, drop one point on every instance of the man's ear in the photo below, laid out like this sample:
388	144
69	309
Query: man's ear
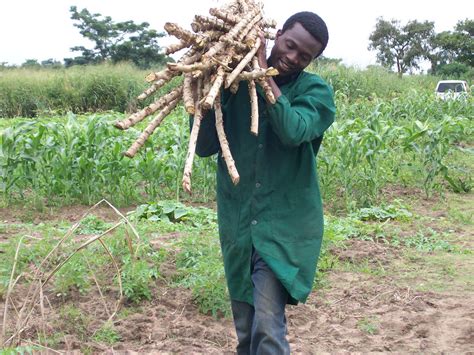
278	34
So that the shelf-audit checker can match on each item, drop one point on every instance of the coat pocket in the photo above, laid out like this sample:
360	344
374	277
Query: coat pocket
296	216
228	214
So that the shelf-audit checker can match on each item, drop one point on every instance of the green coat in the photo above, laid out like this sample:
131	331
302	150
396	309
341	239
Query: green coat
276	206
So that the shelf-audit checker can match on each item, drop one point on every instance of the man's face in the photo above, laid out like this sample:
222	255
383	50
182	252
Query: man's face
293	50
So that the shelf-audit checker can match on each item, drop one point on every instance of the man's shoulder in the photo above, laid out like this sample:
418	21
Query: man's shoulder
312	78
309	80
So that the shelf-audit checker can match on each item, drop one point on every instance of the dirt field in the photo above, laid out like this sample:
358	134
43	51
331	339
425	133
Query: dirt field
378	298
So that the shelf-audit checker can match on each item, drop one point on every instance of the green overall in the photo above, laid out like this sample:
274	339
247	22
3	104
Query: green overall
276	207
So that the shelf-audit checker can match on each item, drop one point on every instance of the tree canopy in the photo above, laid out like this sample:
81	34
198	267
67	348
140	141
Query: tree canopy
404	47
401	46
115	41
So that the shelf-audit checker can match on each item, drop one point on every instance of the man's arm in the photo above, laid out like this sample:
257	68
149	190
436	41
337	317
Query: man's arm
306	118
207	141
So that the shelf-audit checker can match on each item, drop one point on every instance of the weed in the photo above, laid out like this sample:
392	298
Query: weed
52	339
107	334
92	224
369	325
20	350
426	241
73	321
200	268
175	212
74	274
137	276
383	213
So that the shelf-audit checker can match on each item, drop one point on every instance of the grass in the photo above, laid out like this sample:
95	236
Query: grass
32	92
369	325
185	238
107	335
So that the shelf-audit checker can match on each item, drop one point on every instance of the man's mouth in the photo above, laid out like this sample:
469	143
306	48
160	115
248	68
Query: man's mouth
284	66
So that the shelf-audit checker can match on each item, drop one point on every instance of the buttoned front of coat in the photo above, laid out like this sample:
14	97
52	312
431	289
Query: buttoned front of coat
276	207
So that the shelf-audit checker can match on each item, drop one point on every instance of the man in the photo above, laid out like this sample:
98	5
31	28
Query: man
271	222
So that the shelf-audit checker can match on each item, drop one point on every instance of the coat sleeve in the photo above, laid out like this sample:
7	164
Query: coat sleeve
207	141
310	112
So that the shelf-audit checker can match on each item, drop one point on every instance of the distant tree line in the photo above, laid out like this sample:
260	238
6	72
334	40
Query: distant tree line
403	47
399	47
113	41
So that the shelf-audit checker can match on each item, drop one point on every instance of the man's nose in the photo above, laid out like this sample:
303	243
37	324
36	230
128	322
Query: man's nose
292	57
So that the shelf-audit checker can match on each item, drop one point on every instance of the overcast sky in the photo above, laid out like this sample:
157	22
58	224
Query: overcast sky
42	29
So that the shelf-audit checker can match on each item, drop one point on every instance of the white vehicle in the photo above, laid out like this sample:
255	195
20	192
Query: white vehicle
452	89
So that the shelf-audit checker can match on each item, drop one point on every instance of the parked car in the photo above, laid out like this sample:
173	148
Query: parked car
452	89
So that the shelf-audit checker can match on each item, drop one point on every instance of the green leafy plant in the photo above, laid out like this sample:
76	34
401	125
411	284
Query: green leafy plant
137	276
368	325
92	224
175	212
382	213
107	334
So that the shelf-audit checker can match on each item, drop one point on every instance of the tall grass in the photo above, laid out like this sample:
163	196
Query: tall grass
80	89
373	82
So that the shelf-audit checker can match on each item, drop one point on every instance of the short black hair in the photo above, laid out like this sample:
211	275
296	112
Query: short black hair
312	23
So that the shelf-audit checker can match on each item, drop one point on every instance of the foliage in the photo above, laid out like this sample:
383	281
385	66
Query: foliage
200	268
107	334
456	46
74	275
401	46
73	321
20	350
175	212
35	92
382	213
137	276
388	131
121	41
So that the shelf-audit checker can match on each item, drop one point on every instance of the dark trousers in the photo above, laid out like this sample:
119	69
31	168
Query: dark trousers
261	328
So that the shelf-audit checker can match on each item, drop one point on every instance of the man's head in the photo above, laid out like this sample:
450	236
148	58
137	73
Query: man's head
304	37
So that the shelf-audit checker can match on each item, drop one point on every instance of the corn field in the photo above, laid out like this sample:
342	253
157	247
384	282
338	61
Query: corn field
409	140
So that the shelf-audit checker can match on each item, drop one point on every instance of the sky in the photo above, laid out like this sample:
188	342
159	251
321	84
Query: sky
43	29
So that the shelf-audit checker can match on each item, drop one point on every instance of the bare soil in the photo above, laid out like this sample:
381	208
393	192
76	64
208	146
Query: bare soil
380	308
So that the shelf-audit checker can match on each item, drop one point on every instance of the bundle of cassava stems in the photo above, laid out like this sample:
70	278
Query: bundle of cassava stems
221	52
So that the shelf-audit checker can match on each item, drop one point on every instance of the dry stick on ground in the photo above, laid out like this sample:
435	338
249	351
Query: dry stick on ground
9	290
21	324
32	301
38	270
102	298
41	299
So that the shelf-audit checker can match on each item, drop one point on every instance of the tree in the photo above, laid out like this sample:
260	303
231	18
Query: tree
453	49
401	46
121	41
51	63
31	64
